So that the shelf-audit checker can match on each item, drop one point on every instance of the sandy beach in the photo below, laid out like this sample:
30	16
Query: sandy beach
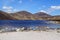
30	36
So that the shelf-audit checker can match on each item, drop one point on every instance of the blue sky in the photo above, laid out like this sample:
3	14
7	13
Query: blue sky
51	7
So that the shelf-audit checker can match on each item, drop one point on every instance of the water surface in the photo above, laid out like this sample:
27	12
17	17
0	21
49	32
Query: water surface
28	23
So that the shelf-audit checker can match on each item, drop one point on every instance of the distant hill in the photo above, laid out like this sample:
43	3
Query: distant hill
5	16
55	18
24	15
42	14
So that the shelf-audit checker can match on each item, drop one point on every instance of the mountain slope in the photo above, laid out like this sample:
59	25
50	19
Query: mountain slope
42	14
5	16
23	15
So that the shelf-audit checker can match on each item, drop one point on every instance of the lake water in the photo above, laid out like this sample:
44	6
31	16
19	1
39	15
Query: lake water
27	23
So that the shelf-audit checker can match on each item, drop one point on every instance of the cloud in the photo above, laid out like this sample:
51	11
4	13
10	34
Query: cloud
7	8
43	11
52	8
55	7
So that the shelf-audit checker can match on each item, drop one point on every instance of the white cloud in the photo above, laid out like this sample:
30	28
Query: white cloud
55	7
52	8
43	11
7	8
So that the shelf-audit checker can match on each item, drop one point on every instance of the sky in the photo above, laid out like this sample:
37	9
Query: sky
51	7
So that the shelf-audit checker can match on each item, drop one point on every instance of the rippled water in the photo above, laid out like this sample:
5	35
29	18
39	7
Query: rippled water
27	23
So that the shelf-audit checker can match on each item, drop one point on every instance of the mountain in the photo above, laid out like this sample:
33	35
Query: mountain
42	14
5	16
45	16
24	15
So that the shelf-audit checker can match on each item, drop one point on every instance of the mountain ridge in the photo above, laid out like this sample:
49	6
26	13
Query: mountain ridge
24	15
